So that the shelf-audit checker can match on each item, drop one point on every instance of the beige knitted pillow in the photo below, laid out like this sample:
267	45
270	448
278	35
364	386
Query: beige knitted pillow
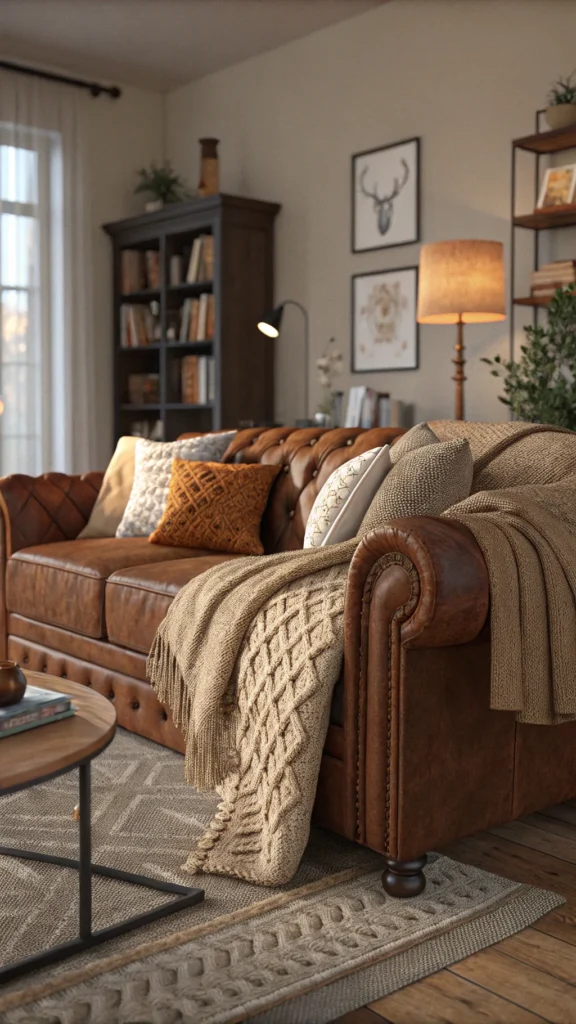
417	437
424	482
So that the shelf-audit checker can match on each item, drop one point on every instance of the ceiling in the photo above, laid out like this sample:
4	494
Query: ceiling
158	44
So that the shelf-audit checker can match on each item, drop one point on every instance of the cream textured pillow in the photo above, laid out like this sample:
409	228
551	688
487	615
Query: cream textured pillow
152	471
345	498
425	482
114	494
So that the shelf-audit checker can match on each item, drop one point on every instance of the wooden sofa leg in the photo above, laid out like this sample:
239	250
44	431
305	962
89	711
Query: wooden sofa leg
404	878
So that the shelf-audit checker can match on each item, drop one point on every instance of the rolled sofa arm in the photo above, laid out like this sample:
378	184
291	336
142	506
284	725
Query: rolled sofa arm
417	582
444	594
44	509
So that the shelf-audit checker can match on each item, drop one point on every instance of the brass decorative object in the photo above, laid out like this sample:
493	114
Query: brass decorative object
12	683
209	184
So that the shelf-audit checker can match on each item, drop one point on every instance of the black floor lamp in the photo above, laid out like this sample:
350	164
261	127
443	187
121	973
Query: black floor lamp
270	326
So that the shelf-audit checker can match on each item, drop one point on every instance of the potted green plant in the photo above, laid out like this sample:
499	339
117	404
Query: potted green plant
162	183
561	110
541	386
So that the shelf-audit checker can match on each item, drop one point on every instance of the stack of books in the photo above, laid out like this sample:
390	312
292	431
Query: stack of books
551	276
138	326
369	408
198	379
37	707
197	323
140	269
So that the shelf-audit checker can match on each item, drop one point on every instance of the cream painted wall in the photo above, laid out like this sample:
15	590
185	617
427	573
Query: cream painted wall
122	135
466	76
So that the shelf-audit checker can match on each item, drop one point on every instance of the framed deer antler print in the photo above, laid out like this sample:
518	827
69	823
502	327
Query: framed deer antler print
386	196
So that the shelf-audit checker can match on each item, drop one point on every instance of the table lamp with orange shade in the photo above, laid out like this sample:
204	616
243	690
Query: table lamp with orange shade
461	282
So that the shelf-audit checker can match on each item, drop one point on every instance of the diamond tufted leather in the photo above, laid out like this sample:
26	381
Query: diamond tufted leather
308	456
48	508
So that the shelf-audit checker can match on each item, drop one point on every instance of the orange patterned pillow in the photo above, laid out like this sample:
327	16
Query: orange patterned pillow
216	505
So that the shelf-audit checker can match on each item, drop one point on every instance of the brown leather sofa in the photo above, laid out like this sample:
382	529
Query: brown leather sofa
414	756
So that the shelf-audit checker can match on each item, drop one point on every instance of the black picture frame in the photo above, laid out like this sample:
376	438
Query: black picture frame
354	195
383	369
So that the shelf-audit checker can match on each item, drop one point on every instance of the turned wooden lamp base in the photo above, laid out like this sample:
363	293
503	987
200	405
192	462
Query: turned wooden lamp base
459	376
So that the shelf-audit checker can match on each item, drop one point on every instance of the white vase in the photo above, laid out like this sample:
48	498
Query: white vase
561	115
153	205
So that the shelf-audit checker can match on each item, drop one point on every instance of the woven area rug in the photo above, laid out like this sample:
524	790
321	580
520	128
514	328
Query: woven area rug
300	954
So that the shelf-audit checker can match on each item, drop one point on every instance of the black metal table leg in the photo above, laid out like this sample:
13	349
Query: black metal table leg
85	868
186	896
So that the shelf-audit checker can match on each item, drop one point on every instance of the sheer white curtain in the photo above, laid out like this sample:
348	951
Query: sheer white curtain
46	312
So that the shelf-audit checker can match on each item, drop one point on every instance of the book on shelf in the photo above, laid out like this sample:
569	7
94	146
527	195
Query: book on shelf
152	265
202	318
207	262
210	318
176	269
369	408
139	269
550	276
137	325
201	261
354	406
37	707
198	379
197	319
401	414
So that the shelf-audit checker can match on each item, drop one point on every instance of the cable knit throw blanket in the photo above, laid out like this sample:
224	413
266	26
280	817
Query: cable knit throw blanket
250	651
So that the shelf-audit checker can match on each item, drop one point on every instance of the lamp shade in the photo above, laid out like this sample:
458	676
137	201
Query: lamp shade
270	322
461	280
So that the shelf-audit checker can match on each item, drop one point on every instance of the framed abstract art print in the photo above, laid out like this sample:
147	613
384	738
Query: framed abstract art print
384	327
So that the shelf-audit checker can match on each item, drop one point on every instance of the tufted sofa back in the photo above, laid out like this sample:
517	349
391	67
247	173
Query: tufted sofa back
308	457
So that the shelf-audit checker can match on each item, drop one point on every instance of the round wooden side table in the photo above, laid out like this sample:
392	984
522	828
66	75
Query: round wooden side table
40	754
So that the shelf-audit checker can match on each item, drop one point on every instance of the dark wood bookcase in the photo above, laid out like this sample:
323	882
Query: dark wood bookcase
242	285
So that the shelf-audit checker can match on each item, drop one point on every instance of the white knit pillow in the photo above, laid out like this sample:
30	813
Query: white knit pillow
345	498
152	472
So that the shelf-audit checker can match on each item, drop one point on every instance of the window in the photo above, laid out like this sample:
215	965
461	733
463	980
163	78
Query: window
29	273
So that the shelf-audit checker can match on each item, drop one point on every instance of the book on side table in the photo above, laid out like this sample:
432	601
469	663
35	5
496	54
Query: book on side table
37	707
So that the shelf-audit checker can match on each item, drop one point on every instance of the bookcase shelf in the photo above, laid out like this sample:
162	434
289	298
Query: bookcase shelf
142	295
143	407
187	288
242	370
532	300
176	406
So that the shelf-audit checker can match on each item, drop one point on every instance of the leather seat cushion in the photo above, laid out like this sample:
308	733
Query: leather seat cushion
138	598
63	584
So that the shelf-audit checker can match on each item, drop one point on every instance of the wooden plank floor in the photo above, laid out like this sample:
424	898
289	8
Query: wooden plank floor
526	979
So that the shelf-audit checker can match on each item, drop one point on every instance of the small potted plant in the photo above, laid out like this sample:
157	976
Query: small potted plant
541	386
561	110
162	183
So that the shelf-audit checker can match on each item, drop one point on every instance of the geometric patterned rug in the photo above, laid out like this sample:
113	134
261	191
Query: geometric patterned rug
303	953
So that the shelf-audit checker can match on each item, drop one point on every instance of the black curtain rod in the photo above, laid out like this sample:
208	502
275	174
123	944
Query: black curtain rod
94	88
